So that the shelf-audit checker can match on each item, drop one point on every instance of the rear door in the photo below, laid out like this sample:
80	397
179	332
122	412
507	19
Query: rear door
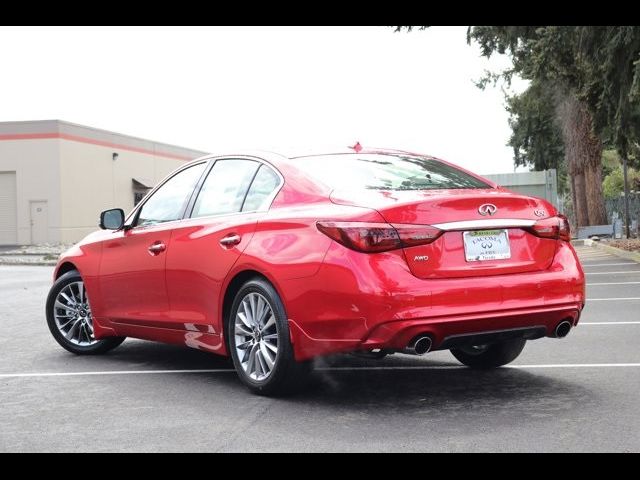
235	194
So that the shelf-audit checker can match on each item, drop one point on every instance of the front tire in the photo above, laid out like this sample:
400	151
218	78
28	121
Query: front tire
259	342
69	317
490	356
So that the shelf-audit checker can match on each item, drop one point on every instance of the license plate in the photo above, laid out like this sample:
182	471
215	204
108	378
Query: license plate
486	245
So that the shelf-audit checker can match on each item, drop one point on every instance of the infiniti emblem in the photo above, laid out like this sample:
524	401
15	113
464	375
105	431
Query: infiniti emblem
487	209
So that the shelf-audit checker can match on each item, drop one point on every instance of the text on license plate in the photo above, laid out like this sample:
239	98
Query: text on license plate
486	245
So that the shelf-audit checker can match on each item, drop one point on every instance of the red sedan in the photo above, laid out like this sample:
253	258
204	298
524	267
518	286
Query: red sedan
275	261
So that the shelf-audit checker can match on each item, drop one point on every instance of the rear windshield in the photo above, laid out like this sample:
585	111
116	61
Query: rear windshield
386	172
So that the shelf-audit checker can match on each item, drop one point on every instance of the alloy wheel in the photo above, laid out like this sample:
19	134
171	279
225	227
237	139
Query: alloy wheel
256	336
72	314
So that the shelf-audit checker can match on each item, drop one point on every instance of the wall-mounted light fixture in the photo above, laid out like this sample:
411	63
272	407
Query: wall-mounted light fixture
114	156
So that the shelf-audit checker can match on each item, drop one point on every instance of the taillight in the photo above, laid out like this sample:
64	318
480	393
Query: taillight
554	227
378	237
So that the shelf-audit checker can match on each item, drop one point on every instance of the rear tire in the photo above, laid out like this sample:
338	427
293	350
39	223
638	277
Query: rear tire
489	356
260	343
69	317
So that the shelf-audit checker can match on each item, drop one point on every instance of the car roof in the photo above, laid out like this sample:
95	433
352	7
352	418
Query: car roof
277	159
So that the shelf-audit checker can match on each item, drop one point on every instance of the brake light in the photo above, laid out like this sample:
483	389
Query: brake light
555	227
378	237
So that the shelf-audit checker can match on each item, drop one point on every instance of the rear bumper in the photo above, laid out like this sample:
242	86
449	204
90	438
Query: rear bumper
362	302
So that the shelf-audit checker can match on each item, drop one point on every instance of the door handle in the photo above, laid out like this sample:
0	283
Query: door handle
230	240
156	248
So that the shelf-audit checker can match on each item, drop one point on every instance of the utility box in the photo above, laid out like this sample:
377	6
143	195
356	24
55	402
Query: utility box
542	184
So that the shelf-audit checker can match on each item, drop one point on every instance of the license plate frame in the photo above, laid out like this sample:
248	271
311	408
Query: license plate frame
486	245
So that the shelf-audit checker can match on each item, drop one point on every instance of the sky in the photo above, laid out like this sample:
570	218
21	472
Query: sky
284	89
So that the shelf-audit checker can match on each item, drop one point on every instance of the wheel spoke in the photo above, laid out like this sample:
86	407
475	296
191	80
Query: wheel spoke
64	307
70	302
248	313
264	370
267	355
72	331
252	359
243	319
81	292
271	347
270	321
242	328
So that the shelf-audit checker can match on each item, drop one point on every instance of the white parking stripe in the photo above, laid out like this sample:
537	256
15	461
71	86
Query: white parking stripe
609	264
324	369
611	299
612	273
613	283
110	372
609	323
454	367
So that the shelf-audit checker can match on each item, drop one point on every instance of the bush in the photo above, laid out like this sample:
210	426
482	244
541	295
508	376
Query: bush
613	184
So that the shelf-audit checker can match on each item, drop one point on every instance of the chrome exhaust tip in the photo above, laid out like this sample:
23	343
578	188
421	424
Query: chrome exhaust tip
563	329
419	346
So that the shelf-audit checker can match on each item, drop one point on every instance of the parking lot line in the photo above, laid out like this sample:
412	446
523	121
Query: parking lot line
612	273
611	299
609	323
323	369
609	264
111	372
455	367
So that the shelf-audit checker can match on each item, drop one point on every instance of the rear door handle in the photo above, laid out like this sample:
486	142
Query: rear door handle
230	240
156	248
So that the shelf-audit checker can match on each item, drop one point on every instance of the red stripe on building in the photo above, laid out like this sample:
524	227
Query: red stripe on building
91	141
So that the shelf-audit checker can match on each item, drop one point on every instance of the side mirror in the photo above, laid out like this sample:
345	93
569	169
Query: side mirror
112	219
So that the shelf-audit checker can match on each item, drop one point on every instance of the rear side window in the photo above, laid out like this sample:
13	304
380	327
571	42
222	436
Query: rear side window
225	187
386	172
262	188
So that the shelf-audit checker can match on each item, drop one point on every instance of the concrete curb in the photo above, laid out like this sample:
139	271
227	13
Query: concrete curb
8	260
613	250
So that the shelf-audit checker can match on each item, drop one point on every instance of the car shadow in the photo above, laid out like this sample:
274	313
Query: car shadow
396	383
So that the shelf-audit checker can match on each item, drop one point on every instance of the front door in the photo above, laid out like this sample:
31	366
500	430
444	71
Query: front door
39	222
132	270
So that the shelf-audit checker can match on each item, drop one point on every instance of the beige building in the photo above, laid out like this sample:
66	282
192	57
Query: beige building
56	177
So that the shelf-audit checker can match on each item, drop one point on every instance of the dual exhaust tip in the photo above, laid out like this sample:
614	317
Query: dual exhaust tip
419	346
422	344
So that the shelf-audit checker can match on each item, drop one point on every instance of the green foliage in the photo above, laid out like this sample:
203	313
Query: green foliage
536	139
610	161
613	184
599	65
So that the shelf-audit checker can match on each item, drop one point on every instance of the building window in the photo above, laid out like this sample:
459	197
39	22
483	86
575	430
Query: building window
141	187
137	197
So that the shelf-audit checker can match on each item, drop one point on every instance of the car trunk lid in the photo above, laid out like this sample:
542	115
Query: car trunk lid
496	218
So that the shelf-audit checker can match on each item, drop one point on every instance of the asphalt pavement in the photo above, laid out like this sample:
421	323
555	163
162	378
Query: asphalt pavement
580	393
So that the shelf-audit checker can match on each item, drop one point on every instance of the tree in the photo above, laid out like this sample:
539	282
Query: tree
595	74
550	56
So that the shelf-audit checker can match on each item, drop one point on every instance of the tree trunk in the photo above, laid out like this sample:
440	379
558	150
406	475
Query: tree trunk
580	194
593	191
583	150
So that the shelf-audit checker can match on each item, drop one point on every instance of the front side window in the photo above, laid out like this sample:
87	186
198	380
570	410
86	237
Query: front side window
263	186
168	202
225	188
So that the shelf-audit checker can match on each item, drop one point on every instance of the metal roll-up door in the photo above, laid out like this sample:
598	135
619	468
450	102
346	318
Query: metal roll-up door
8	209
